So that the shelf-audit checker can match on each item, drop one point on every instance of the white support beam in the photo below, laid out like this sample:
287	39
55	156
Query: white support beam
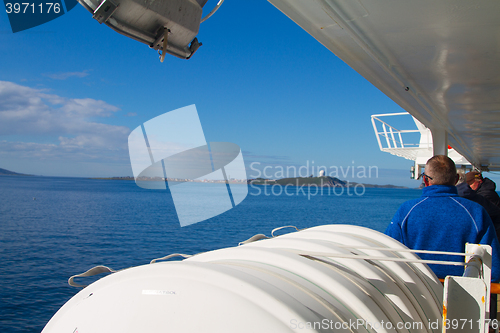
439	142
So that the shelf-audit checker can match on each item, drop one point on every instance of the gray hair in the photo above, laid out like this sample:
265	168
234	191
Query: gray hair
442	170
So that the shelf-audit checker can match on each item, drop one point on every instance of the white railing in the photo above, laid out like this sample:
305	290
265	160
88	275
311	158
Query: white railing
393	136
397	141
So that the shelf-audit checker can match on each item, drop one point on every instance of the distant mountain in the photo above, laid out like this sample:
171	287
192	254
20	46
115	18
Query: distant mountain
4	172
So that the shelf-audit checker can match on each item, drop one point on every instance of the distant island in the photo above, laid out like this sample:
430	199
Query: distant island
5	172
323	181
180	180
116	178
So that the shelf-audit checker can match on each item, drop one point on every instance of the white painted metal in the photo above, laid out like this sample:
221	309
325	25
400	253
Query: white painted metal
466	299
438	60
464	306
439	142
402	146
483	253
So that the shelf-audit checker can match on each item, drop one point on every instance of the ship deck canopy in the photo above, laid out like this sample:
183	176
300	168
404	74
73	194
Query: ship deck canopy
438	60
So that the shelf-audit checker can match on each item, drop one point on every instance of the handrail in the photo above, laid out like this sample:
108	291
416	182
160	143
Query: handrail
369	257
404	131
390	114
393	137
383	122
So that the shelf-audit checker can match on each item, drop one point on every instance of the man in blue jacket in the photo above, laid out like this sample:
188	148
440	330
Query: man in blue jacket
440	220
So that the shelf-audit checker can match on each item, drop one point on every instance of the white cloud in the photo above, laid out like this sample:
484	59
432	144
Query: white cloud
67	75
25	111
88	107
76	152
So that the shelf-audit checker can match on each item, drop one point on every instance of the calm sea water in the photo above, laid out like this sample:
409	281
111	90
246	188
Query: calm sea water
52	228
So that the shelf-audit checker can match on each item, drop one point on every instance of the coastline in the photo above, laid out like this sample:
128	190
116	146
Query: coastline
324	181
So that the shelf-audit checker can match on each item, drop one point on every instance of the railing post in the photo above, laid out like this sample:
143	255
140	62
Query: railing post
466	298
386	136
376	133
393	140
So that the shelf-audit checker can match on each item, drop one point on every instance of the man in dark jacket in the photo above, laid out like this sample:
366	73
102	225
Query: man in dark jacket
465	191
483	186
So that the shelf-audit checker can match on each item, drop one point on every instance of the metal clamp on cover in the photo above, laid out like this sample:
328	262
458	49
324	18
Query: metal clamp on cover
91	272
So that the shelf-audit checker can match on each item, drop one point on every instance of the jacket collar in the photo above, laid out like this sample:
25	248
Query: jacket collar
439	191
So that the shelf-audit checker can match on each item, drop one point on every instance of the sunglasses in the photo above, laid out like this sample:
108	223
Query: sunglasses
424	175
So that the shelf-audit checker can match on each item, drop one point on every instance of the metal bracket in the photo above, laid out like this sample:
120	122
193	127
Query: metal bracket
165	31
104	11
195	45
160	34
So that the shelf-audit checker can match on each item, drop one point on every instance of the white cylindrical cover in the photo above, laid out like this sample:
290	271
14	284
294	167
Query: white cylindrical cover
271	285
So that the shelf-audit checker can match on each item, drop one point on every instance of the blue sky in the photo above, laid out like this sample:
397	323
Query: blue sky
71	91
